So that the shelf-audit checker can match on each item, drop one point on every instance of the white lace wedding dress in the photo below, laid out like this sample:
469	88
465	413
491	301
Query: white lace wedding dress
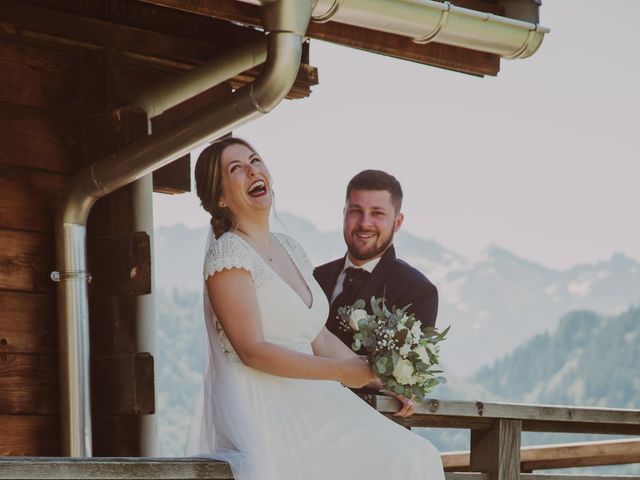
276	428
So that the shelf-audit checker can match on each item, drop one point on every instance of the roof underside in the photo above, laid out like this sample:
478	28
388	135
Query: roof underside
435	54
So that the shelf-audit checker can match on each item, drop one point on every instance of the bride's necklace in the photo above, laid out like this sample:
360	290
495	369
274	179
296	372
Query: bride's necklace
268	256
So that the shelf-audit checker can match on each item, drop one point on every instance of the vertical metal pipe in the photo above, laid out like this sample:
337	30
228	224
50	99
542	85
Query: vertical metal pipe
75	403
145	304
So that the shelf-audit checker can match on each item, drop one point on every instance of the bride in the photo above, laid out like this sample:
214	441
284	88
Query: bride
275	403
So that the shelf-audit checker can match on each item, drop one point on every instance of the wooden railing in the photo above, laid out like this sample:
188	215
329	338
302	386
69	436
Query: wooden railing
495	452
565	455
496	434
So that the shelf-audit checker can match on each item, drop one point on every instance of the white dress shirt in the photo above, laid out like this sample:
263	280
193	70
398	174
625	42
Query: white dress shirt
369	266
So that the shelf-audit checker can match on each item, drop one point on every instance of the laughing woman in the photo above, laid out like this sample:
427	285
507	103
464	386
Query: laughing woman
274	401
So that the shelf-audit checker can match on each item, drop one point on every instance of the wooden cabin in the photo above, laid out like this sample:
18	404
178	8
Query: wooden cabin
69	72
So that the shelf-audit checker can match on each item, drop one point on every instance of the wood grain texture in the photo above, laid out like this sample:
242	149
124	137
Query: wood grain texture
113	325
567	455
27	323
538	417
497	451
28	198
30	435
120	264
28	384
113	468
38	74
39	139
123	385
26	261
611	452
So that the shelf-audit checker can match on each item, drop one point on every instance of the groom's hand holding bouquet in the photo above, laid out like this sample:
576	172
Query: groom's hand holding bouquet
402	353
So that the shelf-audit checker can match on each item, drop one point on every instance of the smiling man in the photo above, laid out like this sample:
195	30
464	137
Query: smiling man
370	268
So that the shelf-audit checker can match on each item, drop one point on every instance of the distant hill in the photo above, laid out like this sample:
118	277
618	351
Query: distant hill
493	303
589	360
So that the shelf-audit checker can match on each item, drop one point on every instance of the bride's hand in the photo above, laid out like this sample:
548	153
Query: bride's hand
356	372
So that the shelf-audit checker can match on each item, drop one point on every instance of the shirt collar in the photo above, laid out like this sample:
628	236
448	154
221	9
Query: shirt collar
369	266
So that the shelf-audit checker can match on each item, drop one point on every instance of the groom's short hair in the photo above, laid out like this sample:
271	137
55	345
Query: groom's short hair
377	180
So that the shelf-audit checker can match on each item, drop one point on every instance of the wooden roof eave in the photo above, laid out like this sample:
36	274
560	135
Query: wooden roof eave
66	23
445	56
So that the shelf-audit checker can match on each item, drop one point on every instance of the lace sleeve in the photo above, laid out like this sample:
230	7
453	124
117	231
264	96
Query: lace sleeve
227	252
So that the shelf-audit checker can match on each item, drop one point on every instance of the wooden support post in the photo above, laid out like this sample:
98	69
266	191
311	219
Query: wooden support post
496	451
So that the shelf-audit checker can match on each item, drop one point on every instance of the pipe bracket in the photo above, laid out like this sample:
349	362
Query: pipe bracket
59	276
430	37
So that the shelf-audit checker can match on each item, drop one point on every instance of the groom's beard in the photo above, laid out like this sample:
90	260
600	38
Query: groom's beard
363	253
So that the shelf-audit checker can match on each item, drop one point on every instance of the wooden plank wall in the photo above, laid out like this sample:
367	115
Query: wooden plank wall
66	70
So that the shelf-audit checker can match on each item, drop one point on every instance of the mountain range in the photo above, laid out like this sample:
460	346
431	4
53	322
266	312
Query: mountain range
493	303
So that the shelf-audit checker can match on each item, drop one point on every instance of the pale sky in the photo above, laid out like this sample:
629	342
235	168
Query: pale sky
542	159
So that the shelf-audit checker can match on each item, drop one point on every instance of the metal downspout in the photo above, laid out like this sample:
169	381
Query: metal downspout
286	22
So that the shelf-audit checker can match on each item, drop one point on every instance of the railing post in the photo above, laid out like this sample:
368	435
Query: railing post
496	451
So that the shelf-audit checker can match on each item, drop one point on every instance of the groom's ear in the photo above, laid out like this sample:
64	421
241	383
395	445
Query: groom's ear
398	222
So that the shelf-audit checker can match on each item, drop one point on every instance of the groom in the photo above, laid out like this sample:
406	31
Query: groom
370	268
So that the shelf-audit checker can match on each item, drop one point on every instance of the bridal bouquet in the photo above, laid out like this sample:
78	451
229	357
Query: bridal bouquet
401	352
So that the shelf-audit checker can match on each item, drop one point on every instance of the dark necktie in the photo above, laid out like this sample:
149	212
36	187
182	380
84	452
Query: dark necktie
353	280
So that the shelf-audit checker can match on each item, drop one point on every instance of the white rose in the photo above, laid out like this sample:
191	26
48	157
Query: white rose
404	350
403	372
416	330
355	317
422	353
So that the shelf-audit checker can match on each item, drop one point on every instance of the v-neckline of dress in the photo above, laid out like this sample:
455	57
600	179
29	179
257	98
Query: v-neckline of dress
277	275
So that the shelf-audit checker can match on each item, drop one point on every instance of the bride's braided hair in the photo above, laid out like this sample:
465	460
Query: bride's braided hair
208	177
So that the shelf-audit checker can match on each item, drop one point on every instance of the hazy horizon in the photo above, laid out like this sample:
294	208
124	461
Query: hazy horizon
541	160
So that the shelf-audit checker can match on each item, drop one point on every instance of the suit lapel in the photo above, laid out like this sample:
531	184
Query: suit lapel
328	276
377	277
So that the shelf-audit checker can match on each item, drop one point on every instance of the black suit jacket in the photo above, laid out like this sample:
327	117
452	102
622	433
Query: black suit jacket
397	281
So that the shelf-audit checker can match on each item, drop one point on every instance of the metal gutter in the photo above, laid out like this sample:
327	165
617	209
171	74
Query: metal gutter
426	21
285	21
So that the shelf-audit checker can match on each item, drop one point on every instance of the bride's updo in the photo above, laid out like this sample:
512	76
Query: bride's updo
208	177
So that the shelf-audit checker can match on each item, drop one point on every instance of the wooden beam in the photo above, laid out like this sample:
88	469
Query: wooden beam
27	435
120	264
544	476
113	325
97	32
497	451
533	417
114	468
123	385
26	261
27	323
28	384
566	455
445	56
174	178
611	452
